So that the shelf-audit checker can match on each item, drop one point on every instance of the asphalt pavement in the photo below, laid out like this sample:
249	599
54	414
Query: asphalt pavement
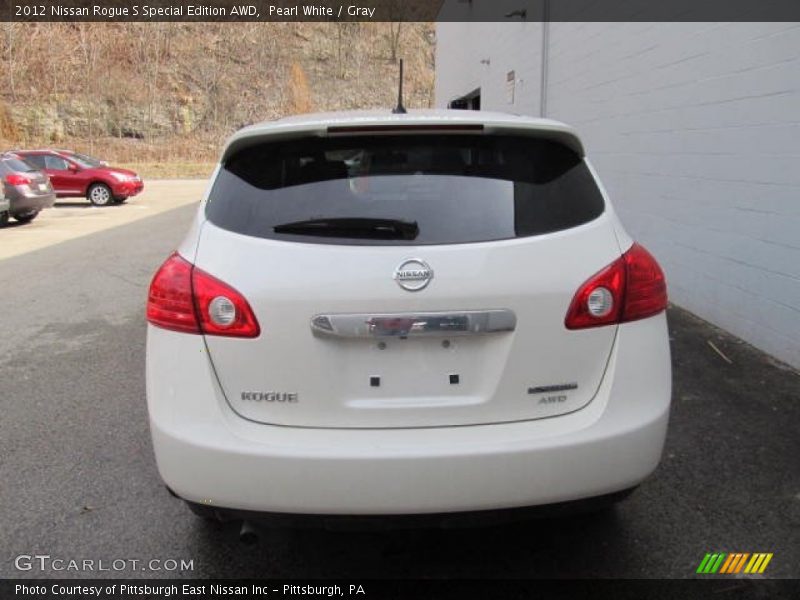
75	217
79	480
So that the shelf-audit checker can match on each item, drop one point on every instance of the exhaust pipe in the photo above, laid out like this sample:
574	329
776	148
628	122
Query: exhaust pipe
248	534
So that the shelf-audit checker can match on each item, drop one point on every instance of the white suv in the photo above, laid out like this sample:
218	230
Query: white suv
422	313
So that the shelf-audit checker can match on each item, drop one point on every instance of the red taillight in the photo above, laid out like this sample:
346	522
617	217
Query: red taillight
646	289
221	309
632	287
187	299
17	179
612	279
169	302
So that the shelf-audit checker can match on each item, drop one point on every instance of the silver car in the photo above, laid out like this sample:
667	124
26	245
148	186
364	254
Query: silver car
4	207
27	189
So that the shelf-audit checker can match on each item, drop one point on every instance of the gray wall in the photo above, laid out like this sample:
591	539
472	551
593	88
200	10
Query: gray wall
695	131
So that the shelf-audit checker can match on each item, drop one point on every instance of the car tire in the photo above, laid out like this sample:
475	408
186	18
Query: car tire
26	217
4	218
99	194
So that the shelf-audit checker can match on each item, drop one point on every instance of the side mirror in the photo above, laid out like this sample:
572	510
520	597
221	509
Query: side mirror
72	167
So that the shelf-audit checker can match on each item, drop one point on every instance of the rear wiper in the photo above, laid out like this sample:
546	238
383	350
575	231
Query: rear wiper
353	227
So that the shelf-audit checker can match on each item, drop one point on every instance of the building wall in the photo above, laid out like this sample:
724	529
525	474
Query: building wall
695	130
506	47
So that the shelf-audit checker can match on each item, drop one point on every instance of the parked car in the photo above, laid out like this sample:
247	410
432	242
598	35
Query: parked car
73	176
90	160
406	314
27	189
5	205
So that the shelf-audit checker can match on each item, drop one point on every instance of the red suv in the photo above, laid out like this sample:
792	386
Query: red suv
74	174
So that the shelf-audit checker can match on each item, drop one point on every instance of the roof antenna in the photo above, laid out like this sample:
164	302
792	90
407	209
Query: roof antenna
400	109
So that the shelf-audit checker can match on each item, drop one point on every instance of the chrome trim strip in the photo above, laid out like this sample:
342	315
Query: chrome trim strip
417	324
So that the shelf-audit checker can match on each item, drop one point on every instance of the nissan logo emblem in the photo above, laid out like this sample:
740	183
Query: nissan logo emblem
413	275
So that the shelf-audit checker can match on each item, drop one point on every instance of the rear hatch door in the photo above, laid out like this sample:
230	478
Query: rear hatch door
409	281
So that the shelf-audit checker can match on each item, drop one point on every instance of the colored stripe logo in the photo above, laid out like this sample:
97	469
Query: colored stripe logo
734	562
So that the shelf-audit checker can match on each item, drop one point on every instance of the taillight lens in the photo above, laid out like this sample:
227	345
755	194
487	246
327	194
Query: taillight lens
632	287
187	299
17	179
609	283
646	288
169	301
221	309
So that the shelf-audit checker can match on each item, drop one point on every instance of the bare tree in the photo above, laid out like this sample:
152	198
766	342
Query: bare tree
396	13
346	34
10	34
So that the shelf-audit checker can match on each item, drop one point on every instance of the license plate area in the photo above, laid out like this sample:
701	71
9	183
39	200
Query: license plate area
415	372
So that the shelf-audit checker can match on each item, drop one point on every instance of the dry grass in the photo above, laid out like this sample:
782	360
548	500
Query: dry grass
175	158
170	170
188	149
198	150
299	94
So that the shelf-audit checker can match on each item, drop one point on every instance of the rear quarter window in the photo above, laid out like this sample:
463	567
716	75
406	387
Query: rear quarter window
404	190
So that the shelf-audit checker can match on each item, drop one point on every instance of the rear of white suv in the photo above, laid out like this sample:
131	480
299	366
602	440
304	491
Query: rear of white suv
434	312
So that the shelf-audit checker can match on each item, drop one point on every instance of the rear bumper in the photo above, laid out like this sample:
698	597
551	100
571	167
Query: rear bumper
25	202
208	455
448	520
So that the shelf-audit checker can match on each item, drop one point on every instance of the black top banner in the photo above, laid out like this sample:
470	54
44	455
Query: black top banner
400	10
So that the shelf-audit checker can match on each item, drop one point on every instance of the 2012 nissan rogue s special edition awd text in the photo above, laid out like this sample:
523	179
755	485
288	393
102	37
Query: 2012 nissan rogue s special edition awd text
405	314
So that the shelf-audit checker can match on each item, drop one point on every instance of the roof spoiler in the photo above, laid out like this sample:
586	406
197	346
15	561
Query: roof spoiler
556	132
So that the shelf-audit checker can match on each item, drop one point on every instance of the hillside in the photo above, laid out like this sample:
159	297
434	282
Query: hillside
171	92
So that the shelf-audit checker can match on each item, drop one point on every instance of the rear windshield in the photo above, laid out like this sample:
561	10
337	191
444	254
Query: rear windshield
404	190
18	165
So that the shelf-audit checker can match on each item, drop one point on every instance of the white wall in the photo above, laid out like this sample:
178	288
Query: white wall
695	130
507	46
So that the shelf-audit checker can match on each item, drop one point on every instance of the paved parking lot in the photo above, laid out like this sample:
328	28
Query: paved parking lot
79	479
71	218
